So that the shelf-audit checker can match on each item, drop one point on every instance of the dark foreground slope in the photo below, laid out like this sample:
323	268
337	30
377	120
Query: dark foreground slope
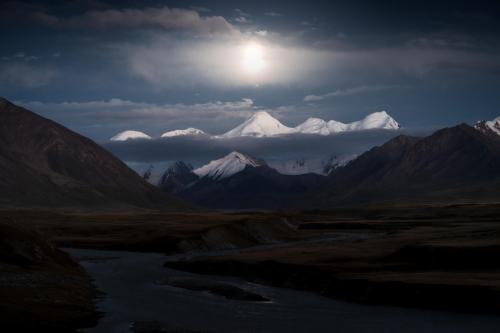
44	164
452	165
41	288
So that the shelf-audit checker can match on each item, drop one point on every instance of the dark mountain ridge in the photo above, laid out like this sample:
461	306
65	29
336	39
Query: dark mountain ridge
253	187
43	163
452	164
457	164
177	177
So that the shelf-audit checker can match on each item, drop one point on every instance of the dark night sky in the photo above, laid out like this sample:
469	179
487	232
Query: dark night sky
100	67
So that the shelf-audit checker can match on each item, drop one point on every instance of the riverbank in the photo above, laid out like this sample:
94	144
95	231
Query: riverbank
139	298
41	287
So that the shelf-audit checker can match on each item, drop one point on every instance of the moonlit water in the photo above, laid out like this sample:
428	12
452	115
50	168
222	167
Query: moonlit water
133	294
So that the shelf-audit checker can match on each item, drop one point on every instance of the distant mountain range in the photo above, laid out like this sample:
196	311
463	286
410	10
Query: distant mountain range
236	181
262	124
454	164
320	166
44	164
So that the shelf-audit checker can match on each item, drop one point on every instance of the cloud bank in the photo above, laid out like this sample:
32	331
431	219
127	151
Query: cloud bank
200	150
173	19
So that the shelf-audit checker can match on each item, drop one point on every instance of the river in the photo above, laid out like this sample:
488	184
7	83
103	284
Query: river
133	294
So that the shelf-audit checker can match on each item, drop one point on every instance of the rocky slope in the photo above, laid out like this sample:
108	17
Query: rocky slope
458	163
44	164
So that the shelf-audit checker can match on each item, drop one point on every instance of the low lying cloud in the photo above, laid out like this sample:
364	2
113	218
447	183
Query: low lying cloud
118	109
273	14
349	92
25	75
198	150
20	56
102	119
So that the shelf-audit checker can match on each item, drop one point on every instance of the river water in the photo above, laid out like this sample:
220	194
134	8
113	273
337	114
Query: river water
133	293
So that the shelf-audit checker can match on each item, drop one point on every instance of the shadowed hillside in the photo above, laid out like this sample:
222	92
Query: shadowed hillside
453	164
44	164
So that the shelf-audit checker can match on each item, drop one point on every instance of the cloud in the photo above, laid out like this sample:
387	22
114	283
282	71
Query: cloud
349	92
242	13
166	63
117	109
201	150
20	56
261	33
173	19
101	119
200	9
25	75
242	19
273	14
242	16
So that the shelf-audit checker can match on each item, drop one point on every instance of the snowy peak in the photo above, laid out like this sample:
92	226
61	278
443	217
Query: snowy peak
261	124
228	165
185	132
376	120
130	135
315	165
336	126
492	126
313	126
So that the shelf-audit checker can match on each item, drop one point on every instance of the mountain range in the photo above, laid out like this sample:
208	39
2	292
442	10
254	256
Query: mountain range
262	124
45	164
236	181
453	164
460	163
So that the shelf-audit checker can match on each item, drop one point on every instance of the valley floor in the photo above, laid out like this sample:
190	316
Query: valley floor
439	257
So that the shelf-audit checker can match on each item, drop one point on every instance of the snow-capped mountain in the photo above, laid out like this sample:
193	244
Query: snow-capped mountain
337	161
377	120
130	135
260	124
188	131
318	166
313	126
492	126
228	165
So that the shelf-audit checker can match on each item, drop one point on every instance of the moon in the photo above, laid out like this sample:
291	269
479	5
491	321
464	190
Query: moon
253	58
